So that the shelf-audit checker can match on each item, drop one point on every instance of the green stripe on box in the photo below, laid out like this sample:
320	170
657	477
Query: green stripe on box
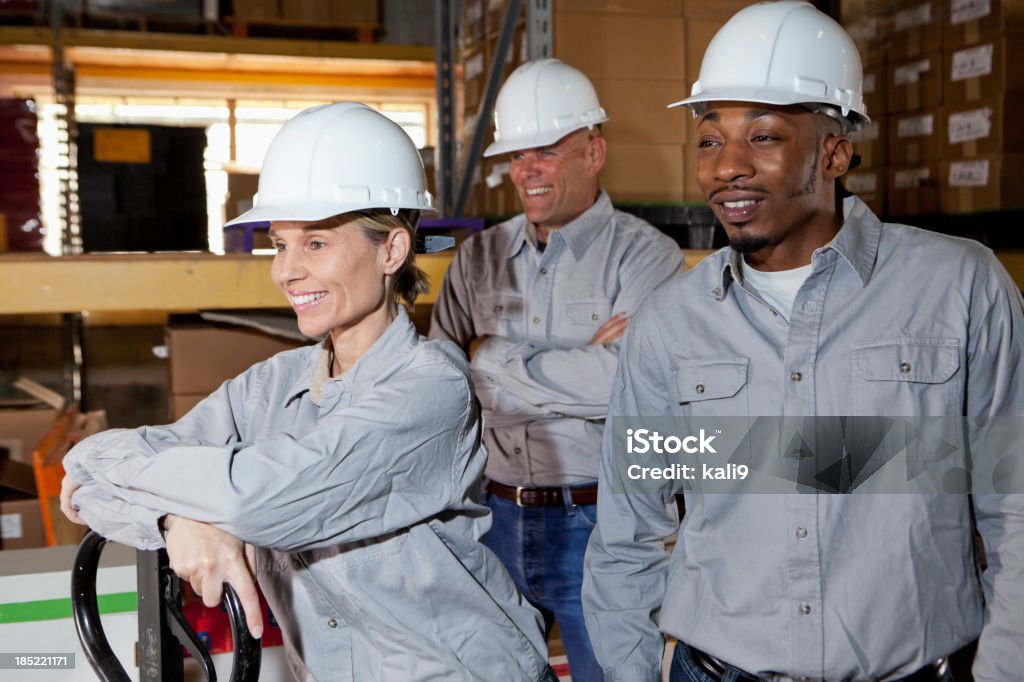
56	609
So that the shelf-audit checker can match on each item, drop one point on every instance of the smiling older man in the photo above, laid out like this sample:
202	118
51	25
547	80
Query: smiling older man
540	303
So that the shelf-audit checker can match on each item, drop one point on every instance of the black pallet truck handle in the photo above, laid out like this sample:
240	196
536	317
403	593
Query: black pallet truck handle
248	651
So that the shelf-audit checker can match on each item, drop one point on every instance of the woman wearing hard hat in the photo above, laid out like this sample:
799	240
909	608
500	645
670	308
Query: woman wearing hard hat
343	475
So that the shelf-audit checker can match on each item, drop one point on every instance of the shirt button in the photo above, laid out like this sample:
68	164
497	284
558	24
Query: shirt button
905	367
332	623
518	451
536	320
543	271
801	533
498	308
594	317
805	609
796	376
699	388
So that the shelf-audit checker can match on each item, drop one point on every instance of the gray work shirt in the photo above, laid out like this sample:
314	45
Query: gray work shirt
362	490
544	390
834	587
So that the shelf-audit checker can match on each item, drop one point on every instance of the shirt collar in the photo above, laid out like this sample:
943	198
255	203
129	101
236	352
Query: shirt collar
856	242
393	345
577	234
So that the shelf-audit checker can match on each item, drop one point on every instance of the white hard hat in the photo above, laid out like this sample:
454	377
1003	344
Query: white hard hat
540	103
337	158
782	53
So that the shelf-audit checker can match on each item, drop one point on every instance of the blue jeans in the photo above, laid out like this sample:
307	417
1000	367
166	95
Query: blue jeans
685	669
543	547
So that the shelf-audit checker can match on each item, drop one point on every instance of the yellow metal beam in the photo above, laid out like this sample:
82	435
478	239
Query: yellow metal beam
31	284
177	42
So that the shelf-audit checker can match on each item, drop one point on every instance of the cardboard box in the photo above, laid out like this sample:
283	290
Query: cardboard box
48	468
21	523
181	403
913	190
916	29
256	9
644	172
472	24
984	70
915	137
660	7
714	9
241	191
870	32
638	110
621	46
871	185
22	428
968	21
474	78
871	143
984	127
203	356
354	12
518	53
876	88
989	183
699	32
500	195
915	84
307	11
494	16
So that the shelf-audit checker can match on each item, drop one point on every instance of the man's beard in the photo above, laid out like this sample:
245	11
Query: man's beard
748	243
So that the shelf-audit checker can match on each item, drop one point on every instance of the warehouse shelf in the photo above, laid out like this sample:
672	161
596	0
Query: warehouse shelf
151	282
191	281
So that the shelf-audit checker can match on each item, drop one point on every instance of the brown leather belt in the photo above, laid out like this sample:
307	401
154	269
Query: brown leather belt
716	669
543	497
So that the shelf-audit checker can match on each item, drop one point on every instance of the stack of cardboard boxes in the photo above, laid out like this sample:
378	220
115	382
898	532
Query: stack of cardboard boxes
641	55
204	355
324	12
21	430
939	88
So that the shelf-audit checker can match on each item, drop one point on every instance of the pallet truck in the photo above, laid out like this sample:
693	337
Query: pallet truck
163	630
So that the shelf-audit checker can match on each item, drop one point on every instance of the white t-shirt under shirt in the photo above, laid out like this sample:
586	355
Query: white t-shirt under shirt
778	289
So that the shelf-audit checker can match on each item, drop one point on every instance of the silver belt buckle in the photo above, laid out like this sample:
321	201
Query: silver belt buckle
519	495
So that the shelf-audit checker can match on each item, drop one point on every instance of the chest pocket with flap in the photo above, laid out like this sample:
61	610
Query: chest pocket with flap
906	376
712	386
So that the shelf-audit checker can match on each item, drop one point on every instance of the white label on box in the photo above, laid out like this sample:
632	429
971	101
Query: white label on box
970	125
910	178
868	86
972	63
474	66
865	183
911	73
10	527
915	16
474	11
917	126
965	10
968	173
866	134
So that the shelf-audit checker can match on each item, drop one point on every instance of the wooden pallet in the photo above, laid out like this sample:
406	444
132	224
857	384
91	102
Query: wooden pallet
259	27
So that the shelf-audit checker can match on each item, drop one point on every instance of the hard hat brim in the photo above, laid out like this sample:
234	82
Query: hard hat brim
310	212
540	140
771	97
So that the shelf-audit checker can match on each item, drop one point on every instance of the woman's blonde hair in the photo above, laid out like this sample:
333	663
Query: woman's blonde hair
409	281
